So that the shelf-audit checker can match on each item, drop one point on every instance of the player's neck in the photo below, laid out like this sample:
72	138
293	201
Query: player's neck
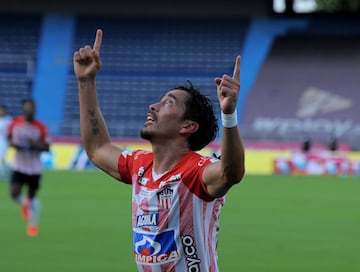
166	156
29	118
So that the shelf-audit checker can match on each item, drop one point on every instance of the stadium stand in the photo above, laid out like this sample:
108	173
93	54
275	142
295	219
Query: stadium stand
19	37
143	58
308	86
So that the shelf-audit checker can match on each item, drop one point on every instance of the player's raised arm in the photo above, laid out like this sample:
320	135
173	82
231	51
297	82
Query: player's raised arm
94	133
220	176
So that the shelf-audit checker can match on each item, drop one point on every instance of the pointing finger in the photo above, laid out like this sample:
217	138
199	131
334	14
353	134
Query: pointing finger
98	40
217	80
236	74
76	56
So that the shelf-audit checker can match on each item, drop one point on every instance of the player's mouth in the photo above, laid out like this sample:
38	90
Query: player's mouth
150	119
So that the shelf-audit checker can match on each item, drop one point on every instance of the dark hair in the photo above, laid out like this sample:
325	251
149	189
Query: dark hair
199	108
27	100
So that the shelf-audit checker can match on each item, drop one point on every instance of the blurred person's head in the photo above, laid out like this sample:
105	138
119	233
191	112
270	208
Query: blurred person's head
3	110
29	108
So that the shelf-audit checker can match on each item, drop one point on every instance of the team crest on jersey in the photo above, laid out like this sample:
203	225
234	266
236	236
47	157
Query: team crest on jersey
155	248
165	197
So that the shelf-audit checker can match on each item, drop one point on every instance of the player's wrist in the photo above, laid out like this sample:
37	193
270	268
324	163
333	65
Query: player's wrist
229	120
88	83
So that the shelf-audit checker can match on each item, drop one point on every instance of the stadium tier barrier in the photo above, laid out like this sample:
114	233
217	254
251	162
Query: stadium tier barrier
261	158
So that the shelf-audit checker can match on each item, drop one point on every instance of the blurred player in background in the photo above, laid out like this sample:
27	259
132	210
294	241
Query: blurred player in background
29	137
177	193
4	123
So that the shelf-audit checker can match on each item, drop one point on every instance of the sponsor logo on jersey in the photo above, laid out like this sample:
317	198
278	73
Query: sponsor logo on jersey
141	180
146	193
155	248
173	178
165	197
193	263
147	220
176	177
203	161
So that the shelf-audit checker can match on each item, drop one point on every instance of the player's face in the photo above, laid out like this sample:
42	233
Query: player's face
2	111
29	109
165	117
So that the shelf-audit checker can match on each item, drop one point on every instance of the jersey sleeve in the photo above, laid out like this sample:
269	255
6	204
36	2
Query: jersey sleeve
45	138
125	165
194	169
10	128
44	135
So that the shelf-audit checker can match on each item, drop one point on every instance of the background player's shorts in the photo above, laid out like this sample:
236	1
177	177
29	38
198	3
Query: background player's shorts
33	181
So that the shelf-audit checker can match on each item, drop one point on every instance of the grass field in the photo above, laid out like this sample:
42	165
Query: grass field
269	223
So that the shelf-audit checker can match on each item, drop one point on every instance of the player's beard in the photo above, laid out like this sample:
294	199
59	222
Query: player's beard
146	135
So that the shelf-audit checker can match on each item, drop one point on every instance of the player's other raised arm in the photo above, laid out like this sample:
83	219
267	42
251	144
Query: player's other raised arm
220	176
94	133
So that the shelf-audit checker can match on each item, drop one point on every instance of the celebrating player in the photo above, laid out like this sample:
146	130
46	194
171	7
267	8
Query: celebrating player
177	193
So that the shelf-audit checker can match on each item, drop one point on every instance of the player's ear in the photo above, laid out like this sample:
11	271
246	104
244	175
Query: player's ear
189	127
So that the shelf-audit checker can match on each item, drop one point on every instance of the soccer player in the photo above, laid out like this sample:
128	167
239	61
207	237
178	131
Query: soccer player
4	123
177	193
29	137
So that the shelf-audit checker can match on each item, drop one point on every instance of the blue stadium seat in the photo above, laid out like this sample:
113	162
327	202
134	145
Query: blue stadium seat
143	58
19	37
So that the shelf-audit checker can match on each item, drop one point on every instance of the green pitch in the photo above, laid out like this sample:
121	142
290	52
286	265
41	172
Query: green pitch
269	223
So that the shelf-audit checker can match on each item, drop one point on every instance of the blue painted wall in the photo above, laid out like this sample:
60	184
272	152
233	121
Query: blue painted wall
258	43
53	59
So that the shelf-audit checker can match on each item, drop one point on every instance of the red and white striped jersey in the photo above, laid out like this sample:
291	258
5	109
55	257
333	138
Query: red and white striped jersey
21	132
175	220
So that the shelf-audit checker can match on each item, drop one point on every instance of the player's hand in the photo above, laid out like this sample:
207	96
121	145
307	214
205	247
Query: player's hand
228	89
87	62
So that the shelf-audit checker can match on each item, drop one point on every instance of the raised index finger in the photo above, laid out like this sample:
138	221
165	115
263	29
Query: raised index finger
98	40
236	74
